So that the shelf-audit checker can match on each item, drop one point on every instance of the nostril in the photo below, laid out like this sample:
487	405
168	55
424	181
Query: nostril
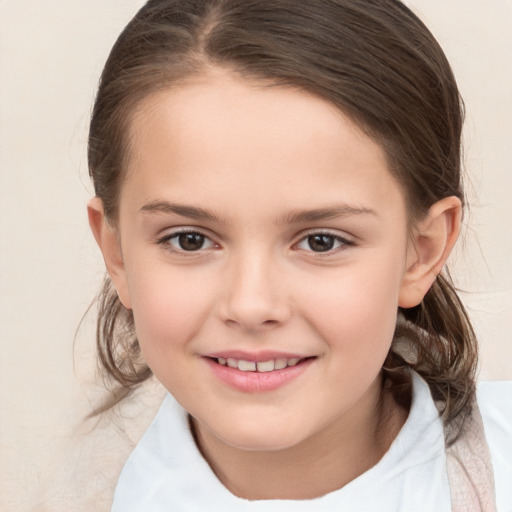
248	324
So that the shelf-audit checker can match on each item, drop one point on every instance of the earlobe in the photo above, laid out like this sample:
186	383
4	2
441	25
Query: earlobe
433	240
108	241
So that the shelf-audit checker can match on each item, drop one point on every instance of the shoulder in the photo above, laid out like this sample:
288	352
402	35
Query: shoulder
495	403
495	396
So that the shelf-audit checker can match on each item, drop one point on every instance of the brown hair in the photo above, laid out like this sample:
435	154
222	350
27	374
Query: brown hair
375	61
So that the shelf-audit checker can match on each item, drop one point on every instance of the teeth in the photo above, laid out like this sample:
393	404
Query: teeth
246	366
265	366
280	364
261	366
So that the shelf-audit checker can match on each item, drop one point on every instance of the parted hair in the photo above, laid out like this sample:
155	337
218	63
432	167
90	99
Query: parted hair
372	59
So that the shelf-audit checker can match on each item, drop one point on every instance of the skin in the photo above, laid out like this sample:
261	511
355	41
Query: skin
261	160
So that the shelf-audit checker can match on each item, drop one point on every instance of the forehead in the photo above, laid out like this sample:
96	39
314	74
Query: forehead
270	146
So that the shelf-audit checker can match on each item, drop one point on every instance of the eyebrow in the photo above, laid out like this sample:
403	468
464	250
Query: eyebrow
191	212
293	217
330	212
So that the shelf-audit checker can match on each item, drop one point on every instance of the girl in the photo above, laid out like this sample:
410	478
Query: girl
278	189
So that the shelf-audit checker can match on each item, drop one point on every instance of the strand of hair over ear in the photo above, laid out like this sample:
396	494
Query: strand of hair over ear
120	361
436	340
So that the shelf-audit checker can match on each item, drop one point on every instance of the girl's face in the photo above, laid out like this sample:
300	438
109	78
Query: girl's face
260	227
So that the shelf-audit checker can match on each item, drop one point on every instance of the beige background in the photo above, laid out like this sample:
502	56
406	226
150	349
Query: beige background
52	53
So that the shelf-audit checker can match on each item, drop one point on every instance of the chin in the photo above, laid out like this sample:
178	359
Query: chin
263	437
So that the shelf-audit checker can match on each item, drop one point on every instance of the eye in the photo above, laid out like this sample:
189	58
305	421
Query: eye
187	241
322	242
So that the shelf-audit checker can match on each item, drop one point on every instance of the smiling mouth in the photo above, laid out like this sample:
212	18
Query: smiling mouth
260	366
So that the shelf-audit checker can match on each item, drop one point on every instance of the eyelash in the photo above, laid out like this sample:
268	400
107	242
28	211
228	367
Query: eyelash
344	243
165	241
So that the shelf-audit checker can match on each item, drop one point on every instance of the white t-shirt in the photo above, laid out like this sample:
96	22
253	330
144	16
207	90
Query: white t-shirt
166	472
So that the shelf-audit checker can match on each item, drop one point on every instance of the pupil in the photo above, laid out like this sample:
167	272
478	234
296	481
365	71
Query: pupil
321	243
191	241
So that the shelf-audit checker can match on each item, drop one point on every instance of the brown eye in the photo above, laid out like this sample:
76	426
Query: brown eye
186	241
191	241
321	243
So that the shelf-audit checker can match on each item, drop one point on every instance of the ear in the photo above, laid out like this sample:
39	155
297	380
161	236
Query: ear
108	241
433	240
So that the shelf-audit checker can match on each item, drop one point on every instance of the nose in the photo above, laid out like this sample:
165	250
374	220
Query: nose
255	297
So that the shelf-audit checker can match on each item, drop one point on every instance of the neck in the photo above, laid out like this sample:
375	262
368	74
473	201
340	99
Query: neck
318	465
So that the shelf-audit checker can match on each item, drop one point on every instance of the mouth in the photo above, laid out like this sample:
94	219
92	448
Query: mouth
243	373
269	365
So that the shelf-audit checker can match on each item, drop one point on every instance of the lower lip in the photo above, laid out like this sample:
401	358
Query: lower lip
257	382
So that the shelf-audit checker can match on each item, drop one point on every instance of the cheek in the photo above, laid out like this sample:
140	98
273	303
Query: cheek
355	310
169	306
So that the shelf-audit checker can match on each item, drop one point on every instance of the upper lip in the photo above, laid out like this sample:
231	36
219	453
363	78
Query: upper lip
264	355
